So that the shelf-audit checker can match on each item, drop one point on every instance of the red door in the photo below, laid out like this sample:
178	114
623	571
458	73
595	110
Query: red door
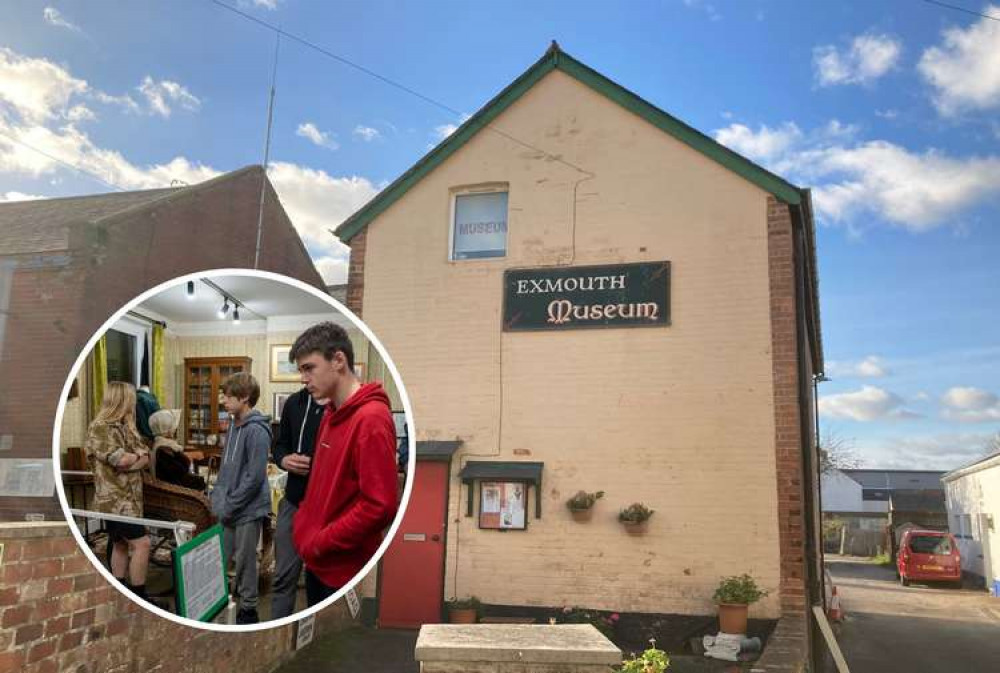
411	583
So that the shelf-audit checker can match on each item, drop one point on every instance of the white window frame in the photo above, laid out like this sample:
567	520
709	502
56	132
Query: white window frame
490	188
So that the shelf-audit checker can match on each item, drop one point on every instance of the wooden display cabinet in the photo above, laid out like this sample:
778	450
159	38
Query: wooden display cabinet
204	414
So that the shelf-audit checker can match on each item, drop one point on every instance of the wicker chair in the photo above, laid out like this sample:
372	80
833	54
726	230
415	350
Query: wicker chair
162	500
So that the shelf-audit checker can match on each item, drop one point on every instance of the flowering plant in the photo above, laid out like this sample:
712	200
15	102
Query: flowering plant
605	623
583	500
635	513
650	661
739	589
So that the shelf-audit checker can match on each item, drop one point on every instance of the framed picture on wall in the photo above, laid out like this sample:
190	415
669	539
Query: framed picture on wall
282	371
278	404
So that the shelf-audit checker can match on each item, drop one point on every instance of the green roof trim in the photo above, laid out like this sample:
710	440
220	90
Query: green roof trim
556	59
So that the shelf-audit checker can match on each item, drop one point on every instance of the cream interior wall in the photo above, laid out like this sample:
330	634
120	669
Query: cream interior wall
680	418
255	346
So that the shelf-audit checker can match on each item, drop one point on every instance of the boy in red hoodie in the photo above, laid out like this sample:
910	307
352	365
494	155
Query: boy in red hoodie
351	496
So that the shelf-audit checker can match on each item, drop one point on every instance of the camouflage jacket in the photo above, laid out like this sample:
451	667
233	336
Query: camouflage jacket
114	492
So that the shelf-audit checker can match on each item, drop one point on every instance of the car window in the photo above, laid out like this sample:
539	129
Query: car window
930	544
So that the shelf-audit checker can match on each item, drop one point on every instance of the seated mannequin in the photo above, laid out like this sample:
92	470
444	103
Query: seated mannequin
169	462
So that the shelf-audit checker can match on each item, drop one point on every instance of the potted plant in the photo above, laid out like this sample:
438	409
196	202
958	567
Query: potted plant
634	518
464	611
734	596
581	505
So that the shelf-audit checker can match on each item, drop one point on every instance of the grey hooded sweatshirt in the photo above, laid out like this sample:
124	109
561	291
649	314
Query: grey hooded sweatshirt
241	492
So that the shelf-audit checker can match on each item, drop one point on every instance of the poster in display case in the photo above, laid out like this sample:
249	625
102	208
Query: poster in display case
502	505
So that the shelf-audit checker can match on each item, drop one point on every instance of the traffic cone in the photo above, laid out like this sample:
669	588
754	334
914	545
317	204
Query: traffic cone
834	613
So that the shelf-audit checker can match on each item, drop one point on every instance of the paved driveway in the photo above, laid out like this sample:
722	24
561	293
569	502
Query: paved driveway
915	629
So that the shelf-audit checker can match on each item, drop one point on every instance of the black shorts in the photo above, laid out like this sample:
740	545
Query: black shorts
124	531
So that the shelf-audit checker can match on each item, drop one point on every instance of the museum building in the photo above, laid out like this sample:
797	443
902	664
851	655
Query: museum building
583	293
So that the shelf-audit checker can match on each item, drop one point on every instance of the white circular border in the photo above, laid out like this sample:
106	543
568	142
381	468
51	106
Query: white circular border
411	466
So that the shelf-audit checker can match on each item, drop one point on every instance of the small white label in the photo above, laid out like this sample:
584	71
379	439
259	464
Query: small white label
304	632
414	537
353	604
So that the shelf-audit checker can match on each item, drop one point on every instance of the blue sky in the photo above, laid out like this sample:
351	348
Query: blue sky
888	110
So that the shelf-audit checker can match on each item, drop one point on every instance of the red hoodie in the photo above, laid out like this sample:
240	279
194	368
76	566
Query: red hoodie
351	496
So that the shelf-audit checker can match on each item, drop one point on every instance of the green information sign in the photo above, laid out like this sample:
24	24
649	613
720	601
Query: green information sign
587	297
200	576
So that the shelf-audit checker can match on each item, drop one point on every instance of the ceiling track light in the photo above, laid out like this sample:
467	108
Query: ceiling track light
225	309
236	315
190	290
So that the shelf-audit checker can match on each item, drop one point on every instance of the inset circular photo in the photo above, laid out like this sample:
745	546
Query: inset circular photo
233	450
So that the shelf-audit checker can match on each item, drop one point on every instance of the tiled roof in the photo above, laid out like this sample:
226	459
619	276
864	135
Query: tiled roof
42	225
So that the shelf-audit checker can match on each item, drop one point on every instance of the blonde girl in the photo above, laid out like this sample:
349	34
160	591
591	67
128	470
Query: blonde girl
117	457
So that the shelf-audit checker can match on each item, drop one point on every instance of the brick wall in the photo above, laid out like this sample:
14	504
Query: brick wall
788	440
57	613
39	349
356	272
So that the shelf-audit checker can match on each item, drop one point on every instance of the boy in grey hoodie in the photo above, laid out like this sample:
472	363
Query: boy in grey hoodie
241	498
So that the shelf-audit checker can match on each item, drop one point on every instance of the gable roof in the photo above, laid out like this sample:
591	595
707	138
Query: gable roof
556	59
42	225
913	480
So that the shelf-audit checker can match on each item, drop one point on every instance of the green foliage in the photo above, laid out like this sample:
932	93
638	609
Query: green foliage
738	589
635	513
882	559
584	500
650	661
470	603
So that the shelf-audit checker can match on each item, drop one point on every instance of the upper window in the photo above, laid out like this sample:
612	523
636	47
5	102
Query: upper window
479	228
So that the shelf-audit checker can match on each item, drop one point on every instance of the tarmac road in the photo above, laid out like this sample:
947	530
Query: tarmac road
915	629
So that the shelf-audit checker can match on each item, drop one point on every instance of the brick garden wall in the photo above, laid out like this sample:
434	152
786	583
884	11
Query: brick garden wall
57	613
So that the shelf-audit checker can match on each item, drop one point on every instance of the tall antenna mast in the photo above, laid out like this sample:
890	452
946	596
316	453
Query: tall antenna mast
267	150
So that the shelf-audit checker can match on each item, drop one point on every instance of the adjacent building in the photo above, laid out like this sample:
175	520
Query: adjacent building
973	497
581	292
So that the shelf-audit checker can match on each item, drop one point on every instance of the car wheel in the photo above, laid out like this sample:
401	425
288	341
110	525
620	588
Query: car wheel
902	580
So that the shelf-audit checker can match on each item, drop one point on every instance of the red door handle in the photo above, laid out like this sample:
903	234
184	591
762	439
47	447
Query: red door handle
435	538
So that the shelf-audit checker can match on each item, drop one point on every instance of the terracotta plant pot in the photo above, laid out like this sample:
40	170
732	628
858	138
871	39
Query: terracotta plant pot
636	528
733	618
582	515
462	615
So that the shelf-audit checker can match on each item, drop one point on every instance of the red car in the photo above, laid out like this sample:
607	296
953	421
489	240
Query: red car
928	555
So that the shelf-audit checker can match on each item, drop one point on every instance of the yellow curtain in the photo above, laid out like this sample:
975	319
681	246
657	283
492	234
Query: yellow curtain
159	374
98	374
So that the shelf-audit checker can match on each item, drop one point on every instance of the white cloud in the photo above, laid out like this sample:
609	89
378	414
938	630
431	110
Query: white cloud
80	113
760	145
707	7
868	404
870	367
965	69
444	130
946	451
868	57
161	95
20	196
55	18
916	191
311	132
333	269
271	5
125	101
887	114
366	133
36	89
318	202
970	405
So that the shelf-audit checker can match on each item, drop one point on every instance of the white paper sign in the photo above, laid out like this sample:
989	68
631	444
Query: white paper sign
304	631
353	604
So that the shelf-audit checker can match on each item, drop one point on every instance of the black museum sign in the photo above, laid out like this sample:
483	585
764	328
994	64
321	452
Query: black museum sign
586	297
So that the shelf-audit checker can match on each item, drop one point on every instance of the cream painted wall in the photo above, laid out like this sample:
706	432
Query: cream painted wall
680	418
256	346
